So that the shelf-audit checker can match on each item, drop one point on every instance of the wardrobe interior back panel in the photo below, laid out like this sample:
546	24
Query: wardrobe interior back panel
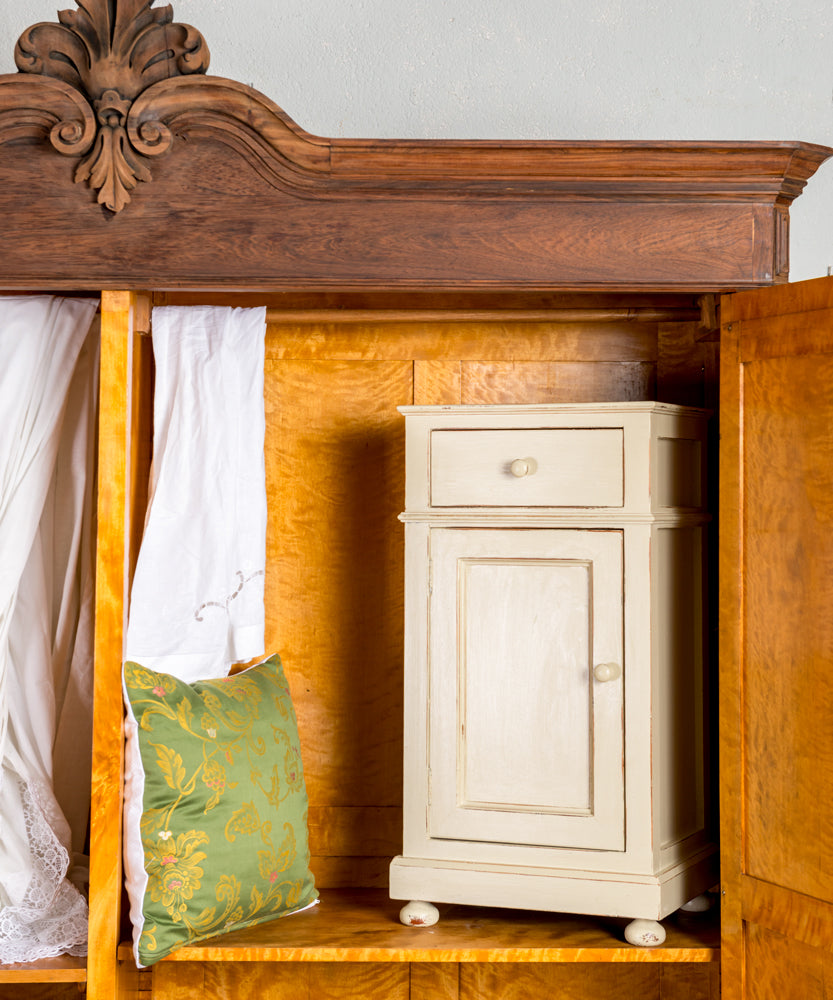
335	552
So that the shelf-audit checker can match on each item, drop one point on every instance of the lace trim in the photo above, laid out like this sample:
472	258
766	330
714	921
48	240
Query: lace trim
52	917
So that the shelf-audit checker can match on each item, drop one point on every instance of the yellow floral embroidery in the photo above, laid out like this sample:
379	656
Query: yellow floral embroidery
292	768
245	822
148	939
174	871
214	776
274	863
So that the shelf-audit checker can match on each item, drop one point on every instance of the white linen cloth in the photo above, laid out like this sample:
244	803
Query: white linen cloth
48	367
196	604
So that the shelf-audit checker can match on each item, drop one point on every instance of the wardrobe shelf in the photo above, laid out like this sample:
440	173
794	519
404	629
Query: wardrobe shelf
64	969
362	925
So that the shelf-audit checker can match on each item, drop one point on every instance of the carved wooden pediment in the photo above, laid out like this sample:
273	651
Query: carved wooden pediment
108	53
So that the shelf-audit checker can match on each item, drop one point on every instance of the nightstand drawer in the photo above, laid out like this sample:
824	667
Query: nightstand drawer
535	467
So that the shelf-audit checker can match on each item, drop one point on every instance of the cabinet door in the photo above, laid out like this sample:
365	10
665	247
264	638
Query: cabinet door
776	604
525	744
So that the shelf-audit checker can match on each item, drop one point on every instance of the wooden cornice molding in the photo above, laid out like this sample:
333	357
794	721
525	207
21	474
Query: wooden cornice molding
107	52
241	196
294	161
252	125
114	82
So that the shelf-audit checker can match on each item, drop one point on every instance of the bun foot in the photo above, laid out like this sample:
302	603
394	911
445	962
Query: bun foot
645	933
698	905
419	914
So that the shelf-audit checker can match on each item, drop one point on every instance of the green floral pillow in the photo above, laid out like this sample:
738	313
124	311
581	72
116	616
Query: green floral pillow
215	806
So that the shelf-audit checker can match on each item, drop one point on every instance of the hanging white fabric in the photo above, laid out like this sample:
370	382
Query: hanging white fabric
196	604
48	362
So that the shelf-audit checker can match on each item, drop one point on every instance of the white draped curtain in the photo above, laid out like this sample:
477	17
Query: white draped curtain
196	605
48	370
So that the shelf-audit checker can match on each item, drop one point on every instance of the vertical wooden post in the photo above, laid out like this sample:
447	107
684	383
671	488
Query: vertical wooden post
116	475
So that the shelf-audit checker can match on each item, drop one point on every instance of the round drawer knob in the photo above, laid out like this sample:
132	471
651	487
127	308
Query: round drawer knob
607	671
523	467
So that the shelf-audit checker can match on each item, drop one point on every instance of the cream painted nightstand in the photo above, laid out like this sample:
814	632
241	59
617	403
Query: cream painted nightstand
555	753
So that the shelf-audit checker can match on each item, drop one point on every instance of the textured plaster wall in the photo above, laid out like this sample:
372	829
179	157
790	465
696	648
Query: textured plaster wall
533	69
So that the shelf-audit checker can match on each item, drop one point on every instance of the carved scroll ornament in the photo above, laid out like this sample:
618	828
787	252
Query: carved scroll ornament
111	52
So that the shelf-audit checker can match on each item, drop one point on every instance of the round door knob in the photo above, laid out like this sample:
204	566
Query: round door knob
607	671
523	467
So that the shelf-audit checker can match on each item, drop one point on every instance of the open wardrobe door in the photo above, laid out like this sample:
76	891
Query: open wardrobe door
776	606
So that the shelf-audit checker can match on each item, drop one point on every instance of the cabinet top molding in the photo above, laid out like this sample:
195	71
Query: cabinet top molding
246	198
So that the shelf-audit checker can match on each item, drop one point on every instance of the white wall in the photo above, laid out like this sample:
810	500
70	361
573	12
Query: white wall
533	69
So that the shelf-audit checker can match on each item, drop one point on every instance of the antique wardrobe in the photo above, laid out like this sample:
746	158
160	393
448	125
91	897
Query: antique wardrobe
413	272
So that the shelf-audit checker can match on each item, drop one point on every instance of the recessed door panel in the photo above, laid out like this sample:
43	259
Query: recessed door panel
526	680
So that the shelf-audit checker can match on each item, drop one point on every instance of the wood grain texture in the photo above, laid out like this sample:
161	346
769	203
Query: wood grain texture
351	846
789	913
778	966
342	871
368	831
144	985
363	926
690	982
809	335
531	982
110	610
794	300
334	477
435	981
172	982
141	424
788	639
47	990
685	371
333	462
274	981
63	969
437	383
464	341
335	468
552	314
606	166
375	243
554	382
345	213
776	694
432	981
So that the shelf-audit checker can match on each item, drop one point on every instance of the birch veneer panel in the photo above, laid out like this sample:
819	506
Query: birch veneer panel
776	691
